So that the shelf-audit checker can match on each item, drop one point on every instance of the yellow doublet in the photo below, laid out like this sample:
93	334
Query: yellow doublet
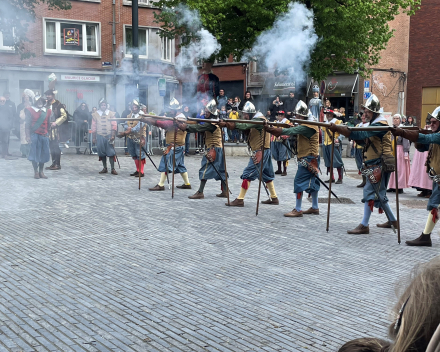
305	146
328	133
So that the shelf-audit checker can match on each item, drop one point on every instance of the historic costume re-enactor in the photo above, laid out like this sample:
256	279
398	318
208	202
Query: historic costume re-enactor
104	132
327	148
213	158
430	143
315	104
308	160
359	156
255	142
57	118
280	146
136	131
377	150
166	163
36	129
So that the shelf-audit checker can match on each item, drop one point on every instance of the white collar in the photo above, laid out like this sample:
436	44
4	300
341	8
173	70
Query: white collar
100	112
379	119
38	109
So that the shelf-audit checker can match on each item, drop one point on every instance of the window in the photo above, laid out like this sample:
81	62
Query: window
7	40
167	48
77	38
142	41
141	2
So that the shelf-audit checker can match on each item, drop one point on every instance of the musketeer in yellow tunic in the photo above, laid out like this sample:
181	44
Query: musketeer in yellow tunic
308	159
327	149
166	163
212	162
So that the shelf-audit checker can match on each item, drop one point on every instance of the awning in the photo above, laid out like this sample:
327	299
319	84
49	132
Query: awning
337	86
280	85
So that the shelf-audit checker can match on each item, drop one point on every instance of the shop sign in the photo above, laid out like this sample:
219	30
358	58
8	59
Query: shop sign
80	78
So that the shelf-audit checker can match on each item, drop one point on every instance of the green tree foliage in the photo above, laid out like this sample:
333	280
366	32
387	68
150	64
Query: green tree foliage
16	15
351	33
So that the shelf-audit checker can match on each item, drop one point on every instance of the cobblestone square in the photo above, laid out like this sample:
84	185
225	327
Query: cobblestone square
91	263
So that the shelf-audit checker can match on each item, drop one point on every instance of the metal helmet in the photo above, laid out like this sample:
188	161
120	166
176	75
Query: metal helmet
315	89
301	109
249	108
435	114
372	104
174	104
136	102
212	107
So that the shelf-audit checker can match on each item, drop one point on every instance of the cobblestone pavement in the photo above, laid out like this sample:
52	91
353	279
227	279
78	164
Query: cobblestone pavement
90	263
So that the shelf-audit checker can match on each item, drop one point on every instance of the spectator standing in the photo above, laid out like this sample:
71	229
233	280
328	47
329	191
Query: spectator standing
247	97
6	121
15	119
276	106
223	115
222	99
290	104
233	115
411	121
82	119
401	153
27	101
229	105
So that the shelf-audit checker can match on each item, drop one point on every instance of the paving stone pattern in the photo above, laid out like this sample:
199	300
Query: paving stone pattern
90	263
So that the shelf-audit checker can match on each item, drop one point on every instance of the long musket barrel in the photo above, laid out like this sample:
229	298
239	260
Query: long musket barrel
371	128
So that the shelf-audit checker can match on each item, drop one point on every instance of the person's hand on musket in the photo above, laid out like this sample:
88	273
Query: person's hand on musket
273	130
411	135
341	129
142	141
112	138
181	125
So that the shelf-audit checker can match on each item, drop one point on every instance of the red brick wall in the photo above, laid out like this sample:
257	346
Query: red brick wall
424	54
81	11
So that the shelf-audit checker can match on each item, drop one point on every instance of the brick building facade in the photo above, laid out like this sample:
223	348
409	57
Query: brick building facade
424	72
91	55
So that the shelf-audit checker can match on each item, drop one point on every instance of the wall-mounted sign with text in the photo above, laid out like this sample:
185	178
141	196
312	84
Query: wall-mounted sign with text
80	78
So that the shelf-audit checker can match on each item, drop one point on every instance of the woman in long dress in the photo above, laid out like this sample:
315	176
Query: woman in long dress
419	177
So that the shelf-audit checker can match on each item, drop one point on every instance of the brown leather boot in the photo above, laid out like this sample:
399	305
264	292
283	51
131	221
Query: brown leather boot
360	230
294	214
36	175
157	188
51	166
311	211
278	172
421	241
338	182
136	173
224	194
42	175
328	181
114	172
284	173
236	203
273	201
103	171
387	225
197	195
184	186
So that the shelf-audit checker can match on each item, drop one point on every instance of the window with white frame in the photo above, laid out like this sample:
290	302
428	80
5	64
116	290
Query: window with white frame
72	38
141	2
167	48
7	40
142	41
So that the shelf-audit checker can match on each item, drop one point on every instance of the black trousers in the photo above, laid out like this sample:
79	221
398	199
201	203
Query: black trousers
55	152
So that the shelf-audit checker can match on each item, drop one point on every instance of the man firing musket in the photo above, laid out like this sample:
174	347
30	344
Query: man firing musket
173	159
260	163
212	162
306	178
378	164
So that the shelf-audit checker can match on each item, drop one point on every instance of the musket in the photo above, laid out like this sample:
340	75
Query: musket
213	121
224	163
397	191
331	181
317	177
149	157
369	128
261	168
